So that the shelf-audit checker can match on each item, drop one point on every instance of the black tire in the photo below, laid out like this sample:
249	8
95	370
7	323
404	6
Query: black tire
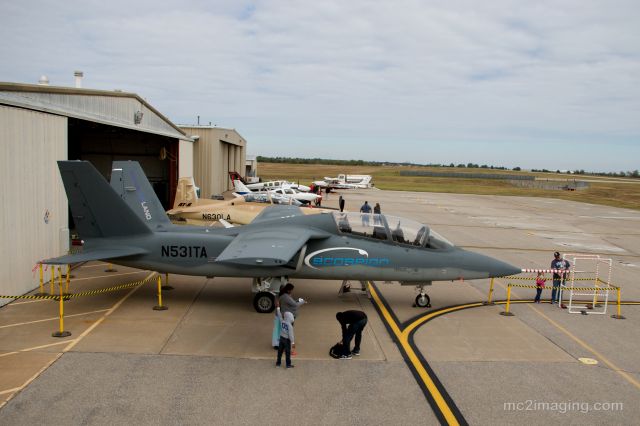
423	301
264	302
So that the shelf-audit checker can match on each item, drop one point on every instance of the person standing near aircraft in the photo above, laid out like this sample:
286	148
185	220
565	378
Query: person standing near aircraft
352	323
560	268
287	340
366	211
377	211
540	280
341	203
287	302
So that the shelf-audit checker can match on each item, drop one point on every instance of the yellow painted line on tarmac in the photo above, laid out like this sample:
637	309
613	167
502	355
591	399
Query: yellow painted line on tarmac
402	337
109	312
407	331
24	303
10	391
35	348
589	348
73	342
579	341
52	319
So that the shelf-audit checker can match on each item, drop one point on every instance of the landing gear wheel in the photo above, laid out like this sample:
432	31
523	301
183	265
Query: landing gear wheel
423	301
264	302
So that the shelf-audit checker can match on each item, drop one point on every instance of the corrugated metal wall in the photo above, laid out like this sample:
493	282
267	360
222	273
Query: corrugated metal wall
185	160
30	144
217	152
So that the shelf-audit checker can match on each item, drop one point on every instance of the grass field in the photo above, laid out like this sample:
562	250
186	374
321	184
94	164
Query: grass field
617	192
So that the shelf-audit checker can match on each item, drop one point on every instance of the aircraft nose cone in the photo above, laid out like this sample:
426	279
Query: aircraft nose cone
499	268
488	266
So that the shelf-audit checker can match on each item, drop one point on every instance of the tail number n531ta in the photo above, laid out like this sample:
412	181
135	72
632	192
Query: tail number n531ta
184	251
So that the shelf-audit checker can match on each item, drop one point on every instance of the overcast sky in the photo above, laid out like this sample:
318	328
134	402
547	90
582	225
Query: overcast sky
535	84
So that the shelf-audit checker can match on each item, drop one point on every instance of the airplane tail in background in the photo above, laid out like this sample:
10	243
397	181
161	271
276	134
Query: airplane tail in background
236	176
97	210
240	188
186	194
130	182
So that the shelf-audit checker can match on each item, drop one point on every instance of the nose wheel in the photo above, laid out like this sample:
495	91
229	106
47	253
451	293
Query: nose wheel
423	301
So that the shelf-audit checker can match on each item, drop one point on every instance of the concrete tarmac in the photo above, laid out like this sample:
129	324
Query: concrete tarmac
208	359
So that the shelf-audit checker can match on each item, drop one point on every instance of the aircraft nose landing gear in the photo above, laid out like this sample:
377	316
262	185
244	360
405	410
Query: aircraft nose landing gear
423	301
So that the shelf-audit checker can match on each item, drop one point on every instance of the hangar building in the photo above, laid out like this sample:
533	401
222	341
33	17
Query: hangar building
40	124
217	152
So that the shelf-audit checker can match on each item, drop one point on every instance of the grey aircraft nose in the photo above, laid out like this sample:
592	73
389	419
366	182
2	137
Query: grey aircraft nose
487	266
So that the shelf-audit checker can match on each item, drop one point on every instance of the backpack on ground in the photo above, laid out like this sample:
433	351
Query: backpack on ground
336	350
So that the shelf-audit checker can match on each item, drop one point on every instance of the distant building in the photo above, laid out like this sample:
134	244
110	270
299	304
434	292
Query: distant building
251	166
217	152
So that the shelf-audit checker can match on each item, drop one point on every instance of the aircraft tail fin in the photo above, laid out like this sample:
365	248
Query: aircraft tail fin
236	176
130	182
240	187
186	194
97	210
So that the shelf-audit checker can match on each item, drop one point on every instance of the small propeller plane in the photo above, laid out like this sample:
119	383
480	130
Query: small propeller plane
279	244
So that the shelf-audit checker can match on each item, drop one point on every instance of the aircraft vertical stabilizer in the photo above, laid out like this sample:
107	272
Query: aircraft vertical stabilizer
130	182
186	194
97	210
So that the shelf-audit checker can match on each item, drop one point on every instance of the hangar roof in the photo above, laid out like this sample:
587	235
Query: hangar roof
101	106
224	134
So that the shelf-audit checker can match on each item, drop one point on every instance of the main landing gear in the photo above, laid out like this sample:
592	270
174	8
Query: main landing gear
265	291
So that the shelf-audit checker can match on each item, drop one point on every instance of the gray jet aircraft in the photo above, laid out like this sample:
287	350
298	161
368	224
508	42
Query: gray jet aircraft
280	243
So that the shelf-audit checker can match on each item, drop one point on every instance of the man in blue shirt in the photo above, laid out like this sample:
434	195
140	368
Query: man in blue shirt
366	212
560	269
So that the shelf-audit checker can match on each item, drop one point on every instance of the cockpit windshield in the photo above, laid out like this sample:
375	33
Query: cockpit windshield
390	228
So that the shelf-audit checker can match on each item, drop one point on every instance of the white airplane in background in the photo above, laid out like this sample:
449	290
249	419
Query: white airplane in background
283	193
349	181
271	185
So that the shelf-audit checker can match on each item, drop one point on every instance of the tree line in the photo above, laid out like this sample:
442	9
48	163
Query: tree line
333	162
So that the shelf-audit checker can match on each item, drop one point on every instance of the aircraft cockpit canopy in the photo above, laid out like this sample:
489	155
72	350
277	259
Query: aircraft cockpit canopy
390	228
257	197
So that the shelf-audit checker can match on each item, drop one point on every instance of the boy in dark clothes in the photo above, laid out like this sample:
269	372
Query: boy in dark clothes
352	324
287	340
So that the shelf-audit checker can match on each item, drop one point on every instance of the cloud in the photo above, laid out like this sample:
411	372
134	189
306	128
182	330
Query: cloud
369	79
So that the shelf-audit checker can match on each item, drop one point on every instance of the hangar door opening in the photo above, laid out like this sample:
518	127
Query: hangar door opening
101	144
230	162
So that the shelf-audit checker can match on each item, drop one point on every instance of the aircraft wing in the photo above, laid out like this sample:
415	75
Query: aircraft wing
275	246
277	212
101	253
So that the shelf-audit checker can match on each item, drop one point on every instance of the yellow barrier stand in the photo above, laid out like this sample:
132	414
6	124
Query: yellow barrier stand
506	312
489	302
60	277
52	281
159	306
618	315
166	285
68	279
110	268
61	332
41	278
